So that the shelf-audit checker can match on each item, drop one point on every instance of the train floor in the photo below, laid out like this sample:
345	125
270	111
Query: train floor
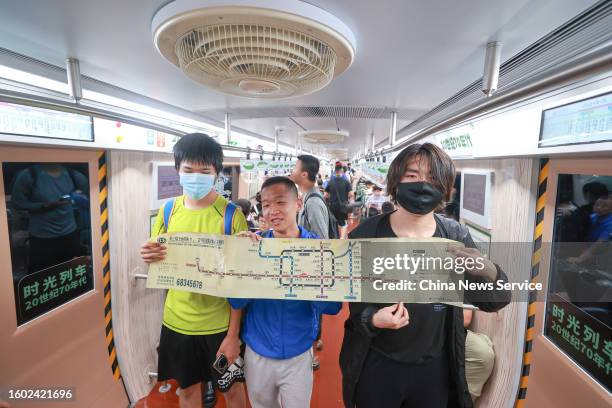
327	387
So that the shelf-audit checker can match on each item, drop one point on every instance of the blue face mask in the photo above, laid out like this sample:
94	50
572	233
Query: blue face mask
197	185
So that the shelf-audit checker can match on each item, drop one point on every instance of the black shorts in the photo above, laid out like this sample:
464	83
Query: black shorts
341	217
188	359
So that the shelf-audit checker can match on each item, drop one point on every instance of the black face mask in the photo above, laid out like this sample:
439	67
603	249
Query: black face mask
418	197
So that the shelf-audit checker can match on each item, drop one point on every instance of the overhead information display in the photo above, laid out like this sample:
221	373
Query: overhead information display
587	121
30	121
356	270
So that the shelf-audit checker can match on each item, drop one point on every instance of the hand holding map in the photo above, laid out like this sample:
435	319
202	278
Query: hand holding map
377	270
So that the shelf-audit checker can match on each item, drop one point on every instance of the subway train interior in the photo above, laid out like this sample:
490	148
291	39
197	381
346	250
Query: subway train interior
160	159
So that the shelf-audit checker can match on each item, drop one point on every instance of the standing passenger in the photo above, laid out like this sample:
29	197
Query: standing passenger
339	192
413	356
196	328
313	216
279	333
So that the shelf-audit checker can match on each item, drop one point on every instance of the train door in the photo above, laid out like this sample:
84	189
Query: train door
571	355
54	343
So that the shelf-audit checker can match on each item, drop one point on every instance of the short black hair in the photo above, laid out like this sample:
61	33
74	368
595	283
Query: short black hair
198	148
338	168
280	180
596	189
310	165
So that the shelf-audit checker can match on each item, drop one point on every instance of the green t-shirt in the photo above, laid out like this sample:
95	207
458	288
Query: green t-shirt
194	313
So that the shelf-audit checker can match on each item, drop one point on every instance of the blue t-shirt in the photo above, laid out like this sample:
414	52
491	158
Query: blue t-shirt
31	193
282	329
600	229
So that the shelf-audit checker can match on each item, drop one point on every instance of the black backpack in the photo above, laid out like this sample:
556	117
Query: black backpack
332	222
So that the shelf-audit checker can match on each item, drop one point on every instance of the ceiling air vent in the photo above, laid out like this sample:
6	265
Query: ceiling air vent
260	49
324	137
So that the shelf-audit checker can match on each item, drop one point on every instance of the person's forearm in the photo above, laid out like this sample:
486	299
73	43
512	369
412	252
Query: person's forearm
234	323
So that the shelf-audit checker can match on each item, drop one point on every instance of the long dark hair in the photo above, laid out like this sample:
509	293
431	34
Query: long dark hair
441	167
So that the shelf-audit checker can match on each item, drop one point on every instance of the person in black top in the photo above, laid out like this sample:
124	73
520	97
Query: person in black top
338	192
414	355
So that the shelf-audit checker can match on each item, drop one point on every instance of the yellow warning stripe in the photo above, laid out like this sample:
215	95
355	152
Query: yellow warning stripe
109	337
531	309
538	230
540	203
104	216
103	196
107	318
101	173
543	173
105	238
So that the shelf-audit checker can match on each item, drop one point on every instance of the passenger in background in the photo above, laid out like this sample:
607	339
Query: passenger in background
314	215
361	190
245	207
339	192
413	356
599	233
592	192
46	191
320	187
325	182
279	333
262	225
375	201
479	357
197	328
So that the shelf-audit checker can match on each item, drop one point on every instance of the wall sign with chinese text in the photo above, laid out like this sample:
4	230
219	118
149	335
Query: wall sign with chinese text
45	290
582	337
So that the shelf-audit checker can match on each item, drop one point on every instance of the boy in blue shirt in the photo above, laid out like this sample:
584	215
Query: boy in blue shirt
279	333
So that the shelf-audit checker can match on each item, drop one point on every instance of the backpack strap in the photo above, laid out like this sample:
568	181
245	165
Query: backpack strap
228	218
168	210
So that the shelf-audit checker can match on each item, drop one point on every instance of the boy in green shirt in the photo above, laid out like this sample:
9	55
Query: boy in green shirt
196	328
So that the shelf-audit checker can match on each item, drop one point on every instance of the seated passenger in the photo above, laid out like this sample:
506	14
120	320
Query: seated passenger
479	357
599	232
279	333
413	356
196	328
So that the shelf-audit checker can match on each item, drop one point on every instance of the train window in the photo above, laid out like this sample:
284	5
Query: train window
48	214
578	309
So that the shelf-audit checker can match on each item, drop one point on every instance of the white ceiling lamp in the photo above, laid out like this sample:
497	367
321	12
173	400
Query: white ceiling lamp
340	153
324	137
254	48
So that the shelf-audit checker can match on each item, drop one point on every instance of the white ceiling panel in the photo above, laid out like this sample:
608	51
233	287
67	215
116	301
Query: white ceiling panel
411	55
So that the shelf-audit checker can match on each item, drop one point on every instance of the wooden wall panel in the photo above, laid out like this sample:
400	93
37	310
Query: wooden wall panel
512	212
137	311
